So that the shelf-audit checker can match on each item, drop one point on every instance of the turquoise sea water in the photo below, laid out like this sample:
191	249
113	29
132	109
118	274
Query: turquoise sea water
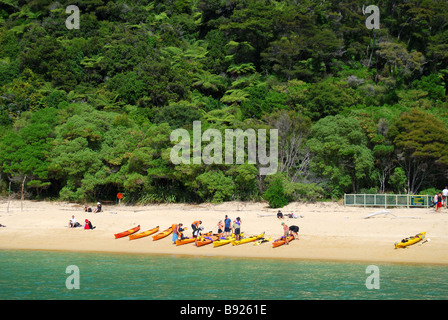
42	275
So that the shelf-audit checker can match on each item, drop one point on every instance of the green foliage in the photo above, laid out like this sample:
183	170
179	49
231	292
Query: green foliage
340	153
275	194
93	109
214	186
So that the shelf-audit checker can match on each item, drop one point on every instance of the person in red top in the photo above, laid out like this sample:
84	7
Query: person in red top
88	225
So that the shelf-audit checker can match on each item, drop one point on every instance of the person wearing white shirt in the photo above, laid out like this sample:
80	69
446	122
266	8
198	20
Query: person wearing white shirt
445	195
72	222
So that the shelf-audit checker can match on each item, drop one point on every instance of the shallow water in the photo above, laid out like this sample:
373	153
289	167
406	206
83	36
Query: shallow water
44	275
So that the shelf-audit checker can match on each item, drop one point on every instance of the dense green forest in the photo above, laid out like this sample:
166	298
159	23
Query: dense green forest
88	112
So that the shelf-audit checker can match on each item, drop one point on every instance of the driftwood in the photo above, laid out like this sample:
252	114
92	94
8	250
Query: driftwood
387	213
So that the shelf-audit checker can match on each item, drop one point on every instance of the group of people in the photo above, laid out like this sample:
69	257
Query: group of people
226	228
290	231
87	223
99	208
440	199
179	229
75	224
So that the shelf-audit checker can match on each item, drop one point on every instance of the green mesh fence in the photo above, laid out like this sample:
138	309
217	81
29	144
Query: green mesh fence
387	200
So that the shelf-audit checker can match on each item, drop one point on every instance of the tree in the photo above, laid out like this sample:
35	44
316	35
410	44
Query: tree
209	83
24	151
214	186
399	62
293	131
275	194
421	142
340	154
329	97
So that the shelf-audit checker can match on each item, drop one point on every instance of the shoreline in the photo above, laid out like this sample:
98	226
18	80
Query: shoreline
318	260
328	231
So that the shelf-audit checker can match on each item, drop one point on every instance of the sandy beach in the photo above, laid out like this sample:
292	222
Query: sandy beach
328	230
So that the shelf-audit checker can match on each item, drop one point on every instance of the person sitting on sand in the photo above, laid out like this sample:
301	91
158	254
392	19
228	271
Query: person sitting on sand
2	226
294	230
72	222
98	207
87	208
88	225
285	232
280	215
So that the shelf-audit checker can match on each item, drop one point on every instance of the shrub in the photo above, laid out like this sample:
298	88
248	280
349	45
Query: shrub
275	194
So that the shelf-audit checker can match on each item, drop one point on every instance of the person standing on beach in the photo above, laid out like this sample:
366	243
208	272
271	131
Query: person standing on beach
227	222
285	232
220	228
177	232
438	199
445	195
195	225
237	228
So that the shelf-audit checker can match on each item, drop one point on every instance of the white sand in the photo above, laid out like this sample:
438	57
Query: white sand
328	231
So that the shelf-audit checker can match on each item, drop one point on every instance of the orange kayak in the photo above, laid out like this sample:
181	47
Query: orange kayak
127	232
164	233
281	241
184	241
180	242
143	234
206	240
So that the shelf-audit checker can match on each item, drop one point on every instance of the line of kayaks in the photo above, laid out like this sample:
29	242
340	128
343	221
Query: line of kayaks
203	240
217	241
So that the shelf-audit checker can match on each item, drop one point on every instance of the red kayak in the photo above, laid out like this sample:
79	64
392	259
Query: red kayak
127	232
281	241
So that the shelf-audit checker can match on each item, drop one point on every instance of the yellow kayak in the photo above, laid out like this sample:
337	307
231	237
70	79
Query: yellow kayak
411	240
221	242
248	239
